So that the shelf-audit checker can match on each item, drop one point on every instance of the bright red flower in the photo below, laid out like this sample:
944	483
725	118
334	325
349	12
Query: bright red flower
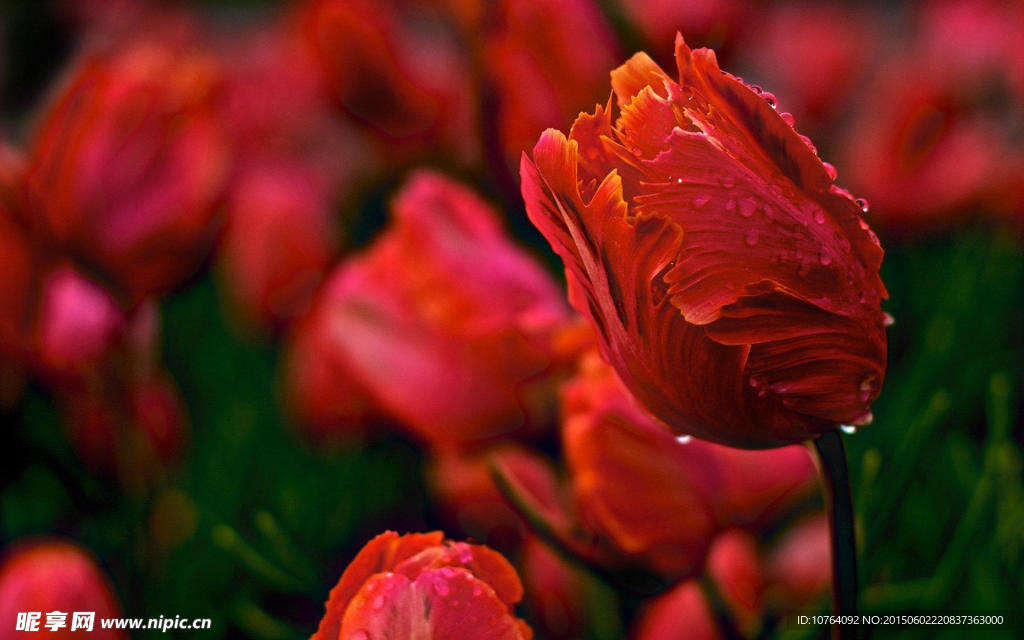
734	288
421	586
55	575
446	324
127	166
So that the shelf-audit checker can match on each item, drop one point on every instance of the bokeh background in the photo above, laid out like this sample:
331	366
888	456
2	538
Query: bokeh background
226	477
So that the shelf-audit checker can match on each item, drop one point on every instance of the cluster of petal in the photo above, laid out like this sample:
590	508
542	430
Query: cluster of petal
54	575
446	324
734	288
127	166
422	586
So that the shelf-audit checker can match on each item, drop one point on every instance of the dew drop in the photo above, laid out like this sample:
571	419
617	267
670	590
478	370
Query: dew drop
750	237
684	439
770	99
700	201
477	591
441	587
448	572
747	207
730	205
888	320
679	181
788	118
826	258
848	429
359	635
863	204
378	603
819	216
830	169
728	181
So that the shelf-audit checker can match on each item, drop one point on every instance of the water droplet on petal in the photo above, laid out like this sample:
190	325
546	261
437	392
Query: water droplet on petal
888	320
750	237
477	591
863	204
747	207
728	181
700	201
679	181
770	99
730	205
848	429
830	169
378	603
788	118
826	258
684	439
819	216
359	635
441	587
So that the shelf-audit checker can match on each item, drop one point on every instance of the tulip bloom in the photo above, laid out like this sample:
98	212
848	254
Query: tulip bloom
421	586
735	289
448	326
54	575
126	169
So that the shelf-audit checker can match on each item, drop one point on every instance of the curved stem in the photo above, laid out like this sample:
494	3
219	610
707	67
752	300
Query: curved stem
835	479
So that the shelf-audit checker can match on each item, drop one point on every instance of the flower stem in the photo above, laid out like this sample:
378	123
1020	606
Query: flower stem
835	479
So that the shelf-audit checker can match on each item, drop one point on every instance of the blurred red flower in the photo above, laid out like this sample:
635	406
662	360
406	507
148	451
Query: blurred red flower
470	501
658	500
421	586
447	325
279	240
396	71
752	582
545	58
947	146
127	166
734	288
54	575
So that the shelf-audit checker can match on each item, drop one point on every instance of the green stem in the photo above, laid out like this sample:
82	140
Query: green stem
835	479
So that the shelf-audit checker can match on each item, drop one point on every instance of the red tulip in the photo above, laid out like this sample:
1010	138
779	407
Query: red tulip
421	586
638	489
279	240
396	72
555	600
799	567
126	168
448	326
469	499
131	434
658	499
734	564
943	150
681	614
545	58
734	288
47	576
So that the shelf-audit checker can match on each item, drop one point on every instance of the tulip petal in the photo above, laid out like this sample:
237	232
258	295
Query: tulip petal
441	604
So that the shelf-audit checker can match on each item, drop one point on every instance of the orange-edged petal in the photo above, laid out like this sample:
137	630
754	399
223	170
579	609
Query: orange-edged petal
381	554
483	562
